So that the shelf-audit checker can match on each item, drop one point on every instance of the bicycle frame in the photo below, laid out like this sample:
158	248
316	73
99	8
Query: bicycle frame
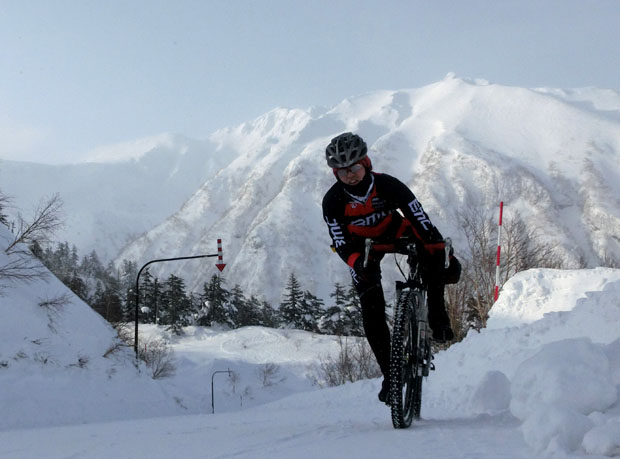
411	358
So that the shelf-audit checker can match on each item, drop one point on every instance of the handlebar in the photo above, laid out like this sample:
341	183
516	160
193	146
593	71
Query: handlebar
389	248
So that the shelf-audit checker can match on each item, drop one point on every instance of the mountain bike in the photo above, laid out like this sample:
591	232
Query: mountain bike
411	357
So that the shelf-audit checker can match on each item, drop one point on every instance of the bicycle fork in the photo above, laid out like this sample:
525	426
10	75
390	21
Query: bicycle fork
423	340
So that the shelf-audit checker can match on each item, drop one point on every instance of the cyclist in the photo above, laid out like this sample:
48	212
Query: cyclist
364	204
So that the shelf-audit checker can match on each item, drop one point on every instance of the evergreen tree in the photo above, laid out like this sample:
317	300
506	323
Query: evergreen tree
175	305
311	312
150	297
62	262
248	311
332	320
196	306
91	266
78	286
47	257
353	322
268	316
107	302
128	274
216	300
291	307
37	251
153	299
74	259
98	293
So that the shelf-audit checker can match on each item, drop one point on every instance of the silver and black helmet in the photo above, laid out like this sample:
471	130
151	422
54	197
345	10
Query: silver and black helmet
345	150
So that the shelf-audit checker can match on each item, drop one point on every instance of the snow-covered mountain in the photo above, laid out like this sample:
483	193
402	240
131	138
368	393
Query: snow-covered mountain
123	192
552	155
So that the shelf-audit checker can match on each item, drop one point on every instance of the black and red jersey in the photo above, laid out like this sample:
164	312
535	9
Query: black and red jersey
353	218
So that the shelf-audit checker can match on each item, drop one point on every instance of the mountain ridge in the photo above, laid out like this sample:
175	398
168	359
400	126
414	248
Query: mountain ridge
456	143
106	204
550	154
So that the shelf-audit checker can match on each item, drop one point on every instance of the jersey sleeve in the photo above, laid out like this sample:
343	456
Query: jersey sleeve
405	200
333	214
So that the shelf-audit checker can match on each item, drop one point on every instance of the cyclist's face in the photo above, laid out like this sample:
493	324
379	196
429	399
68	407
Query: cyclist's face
352	175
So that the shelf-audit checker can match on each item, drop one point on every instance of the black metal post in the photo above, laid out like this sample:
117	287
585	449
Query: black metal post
212	398
135	343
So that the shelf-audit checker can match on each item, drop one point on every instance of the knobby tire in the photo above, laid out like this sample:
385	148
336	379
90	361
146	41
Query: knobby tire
405	363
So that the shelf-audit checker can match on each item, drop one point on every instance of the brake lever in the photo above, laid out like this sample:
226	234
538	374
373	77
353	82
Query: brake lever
368	245
448	249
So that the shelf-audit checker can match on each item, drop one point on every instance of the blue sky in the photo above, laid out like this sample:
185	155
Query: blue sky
77	75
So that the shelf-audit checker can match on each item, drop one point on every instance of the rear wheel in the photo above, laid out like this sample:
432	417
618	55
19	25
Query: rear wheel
405	363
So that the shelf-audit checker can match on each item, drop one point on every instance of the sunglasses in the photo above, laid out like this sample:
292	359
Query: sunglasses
354	169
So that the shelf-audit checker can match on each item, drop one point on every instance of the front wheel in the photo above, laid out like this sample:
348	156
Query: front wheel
406	366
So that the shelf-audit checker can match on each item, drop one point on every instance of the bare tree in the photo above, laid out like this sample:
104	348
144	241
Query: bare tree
456	296
470	301
610	261
478	264
22	266
4	201
353	362
45	221
158	356
56	303
269	374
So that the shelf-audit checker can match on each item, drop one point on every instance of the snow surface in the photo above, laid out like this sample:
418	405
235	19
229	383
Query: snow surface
537	383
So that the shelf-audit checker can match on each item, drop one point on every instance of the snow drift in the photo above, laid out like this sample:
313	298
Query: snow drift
549	356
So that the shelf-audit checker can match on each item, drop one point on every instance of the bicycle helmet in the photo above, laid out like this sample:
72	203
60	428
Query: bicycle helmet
345	150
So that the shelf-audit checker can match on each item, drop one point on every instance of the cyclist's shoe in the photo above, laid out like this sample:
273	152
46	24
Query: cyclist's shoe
443	334
384	394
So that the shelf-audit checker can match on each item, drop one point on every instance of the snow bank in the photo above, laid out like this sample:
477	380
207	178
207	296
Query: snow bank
550	356
531	294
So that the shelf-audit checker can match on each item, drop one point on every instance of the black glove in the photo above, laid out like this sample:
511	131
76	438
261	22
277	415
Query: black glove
358	265
452	274
433	258
370	273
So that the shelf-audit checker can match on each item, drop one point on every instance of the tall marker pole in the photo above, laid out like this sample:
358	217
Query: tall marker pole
499	250
220	256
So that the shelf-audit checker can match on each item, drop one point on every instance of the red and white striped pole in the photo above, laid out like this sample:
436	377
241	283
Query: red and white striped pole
220	256
499	250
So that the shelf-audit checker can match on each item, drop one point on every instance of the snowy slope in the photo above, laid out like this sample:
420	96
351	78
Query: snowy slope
551	155
55	358
540	382
123	192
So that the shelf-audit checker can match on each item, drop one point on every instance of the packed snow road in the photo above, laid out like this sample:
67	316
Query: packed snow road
333	423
